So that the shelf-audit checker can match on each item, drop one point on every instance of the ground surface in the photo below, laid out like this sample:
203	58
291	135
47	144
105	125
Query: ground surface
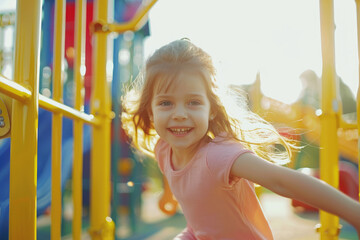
285	223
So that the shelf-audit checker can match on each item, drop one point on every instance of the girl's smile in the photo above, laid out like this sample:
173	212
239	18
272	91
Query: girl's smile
180	131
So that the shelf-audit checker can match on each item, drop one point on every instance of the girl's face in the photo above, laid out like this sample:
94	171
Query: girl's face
181	114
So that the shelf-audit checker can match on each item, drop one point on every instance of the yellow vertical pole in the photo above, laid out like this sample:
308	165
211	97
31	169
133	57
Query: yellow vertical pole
358	92
329	153
101	226
23	151
79	71
256	95
58	49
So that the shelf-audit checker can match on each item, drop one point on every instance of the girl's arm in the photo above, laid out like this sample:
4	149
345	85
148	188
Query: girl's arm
292	184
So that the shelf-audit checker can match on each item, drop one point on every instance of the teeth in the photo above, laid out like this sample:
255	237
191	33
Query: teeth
180	130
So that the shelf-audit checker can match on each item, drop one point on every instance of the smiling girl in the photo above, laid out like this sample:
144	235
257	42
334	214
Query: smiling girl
212	155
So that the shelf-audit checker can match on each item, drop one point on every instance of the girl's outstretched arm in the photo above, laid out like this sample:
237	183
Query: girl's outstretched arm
292	184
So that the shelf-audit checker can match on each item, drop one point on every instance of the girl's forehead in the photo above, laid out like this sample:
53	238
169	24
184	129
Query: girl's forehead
165	83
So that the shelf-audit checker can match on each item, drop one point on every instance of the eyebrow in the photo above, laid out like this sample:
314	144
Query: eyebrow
187	95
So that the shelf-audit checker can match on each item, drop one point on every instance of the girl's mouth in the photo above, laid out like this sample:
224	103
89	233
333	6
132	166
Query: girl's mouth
180	131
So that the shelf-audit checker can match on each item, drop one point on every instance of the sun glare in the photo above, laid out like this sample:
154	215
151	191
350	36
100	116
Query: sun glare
280	39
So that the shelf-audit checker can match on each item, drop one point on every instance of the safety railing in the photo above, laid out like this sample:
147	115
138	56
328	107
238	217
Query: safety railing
24	91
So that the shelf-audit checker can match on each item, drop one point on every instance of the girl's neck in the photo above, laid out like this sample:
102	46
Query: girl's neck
181	157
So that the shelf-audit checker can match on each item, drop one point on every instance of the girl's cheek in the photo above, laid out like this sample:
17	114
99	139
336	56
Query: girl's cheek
159	116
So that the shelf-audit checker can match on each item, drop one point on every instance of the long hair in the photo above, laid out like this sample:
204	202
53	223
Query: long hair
238	123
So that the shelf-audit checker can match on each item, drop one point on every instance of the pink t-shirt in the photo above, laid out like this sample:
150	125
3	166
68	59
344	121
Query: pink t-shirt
215	206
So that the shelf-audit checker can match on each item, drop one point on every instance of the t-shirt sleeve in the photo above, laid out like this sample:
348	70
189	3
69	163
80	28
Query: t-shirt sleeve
220	158
160	154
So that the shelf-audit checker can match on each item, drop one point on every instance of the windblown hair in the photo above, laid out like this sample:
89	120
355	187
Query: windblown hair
238	123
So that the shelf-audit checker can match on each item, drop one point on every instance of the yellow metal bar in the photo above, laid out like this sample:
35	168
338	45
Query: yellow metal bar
58	76
358	92
256	95
22	94
79	66
14	90
77	180
329	153
134	24
346	125
23	150
101	226
53	106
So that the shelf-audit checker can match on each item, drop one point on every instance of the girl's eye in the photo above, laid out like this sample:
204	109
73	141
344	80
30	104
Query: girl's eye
165	103
194	102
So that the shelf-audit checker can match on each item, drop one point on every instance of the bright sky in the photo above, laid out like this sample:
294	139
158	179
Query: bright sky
278	38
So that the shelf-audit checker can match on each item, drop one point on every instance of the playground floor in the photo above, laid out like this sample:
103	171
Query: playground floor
285	223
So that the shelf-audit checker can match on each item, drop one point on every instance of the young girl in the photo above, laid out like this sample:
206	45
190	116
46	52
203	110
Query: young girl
212	154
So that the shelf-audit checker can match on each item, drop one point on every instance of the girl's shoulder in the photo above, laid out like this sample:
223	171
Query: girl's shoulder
225	145
221	154
224	139
160	147
161	152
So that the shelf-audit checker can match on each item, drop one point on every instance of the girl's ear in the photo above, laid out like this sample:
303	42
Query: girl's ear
212	116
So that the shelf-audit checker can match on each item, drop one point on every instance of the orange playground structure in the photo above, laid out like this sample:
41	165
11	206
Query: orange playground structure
301	122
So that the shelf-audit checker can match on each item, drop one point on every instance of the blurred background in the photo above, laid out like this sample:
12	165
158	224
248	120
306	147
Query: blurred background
280	39
275	42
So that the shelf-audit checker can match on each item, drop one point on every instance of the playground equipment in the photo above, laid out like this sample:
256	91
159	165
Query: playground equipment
330	115
24	91
44	165
7	21
301	122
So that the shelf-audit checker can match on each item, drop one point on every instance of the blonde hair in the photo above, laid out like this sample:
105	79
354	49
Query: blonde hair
240	124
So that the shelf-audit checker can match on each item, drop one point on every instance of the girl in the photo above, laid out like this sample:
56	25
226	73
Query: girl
210	154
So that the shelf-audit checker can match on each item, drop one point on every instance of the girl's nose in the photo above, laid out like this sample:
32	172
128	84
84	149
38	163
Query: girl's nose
180	113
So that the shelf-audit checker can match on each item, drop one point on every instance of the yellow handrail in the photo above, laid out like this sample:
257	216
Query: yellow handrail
53	106
132	25
135	23
346	125
14	90
22	94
